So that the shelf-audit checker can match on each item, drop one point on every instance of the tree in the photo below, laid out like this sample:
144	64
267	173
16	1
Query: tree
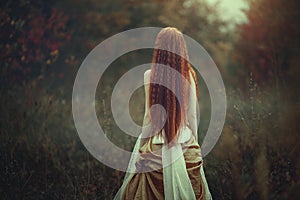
32	35
269	40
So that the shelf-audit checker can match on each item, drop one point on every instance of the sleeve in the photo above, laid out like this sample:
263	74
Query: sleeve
192	108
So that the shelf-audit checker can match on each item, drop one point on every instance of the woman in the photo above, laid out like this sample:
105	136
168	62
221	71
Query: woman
166	162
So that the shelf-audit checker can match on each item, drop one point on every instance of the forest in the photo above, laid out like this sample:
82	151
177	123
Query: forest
43	44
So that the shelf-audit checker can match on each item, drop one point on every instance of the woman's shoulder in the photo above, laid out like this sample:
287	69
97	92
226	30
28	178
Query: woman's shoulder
147	72
192	74
147	76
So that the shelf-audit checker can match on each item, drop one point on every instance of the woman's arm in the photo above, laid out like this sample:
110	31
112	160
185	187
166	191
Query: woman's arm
146	120
192	108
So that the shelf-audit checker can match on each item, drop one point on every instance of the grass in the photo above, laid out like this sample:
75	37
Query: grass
42	156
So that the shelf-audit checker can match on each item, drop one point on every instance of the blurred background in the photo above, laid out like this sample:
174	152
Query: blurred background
255	44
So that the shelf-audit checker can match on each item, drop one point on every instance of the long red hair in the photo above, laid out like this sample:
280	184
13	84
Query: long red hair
170	50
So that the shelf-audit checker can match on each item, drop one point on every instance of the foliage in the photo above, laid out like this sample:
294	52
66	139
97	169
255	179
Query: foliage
260	159
32	35
40	160
268	42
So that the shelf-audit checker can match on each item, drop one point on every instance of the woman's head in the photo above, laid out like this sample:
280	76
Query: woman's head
171	39
170	57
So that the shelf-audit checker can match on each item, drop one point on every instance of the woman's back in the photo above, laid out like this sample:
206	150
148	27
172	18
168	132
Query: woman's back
167	158
150	185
